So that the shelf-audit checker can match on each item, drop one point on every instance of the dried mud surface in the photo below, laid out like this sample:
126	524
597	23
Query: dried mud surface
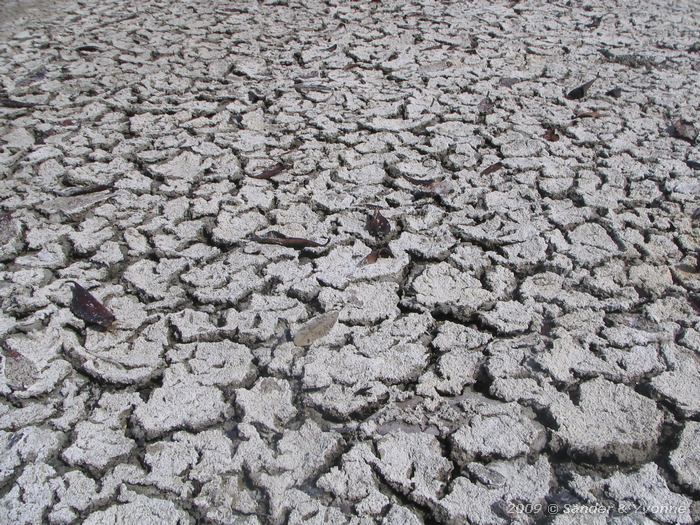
524	348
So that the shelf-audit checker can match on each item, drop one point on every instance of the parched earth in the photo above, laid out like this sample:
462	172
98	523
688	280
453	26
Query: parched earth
526	347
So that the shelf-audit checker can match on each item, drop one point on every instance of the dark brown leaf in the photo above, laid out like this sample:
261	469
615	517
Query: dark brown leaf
508	81
580	92
550	134
271	172
14	354
35	76
493	168
684	130
73	192
89	48
588	114
485	106
696	214
85	306
595	22
426	183
693	165
8	228
614	92
280	239
374	255
377	224
15	104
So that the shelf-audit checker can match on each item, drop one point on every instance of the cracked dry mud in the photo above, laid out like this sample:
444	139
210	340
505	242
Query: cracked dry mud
529	338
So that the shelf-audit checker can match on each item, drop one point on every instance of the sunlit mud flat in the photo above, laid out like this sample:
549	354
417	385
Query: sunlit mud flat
370	262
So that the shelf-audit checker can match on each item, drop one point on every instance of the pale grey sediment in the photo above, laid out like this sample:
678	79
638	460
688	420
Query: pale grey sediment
525	349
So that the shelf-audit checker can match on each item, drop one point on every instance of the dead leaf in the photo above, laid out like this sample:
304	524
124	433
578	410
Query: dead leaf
274	237
271	172
374	255
580	92
684	130
85	306
493	168
377	224
551	135
318	327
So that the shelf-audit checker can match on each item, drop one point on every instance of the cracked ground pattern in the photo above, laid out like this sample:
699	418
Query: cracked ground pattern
529	339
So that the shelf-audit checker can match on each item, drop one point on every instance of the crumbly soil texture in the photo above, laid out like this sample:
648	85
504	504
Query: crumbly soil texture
369	262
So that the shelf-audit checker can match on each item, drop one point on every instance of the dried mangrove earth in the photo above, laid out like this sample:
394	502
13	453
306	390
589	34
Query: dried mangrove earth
373	262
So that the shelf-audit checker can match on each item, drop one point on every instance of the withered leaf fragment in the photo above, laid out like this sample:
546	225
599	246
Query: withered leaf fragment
73	192
696	214
614	92
280	239
33	77
374	255
362	391
88	48
580	92
85	306
684	130
316	328
15	104
493	168
595	22
310	86
693	165
427	183
377	224
485	106
271	172
9	230
551	135
588	114
254	97
508	81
